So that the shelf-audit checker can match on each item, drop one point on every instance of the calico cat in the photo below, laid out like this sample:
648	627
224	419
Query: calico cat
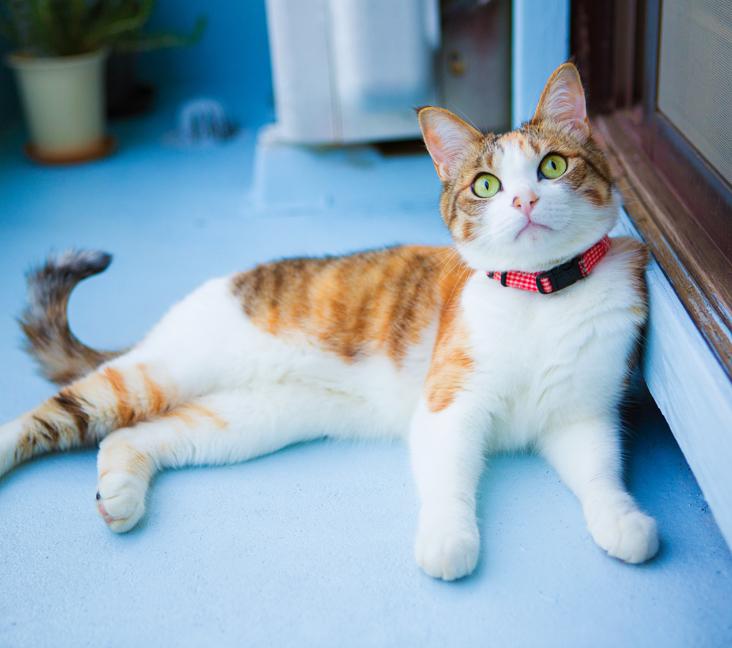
519	336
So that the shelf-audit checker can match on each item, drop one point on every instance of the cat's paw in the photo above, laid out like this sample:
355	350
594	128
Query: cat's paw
121	500
630	536
447	551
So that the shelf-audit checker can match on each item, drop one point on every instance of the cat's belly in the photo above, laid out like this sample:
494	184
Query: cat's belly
386	393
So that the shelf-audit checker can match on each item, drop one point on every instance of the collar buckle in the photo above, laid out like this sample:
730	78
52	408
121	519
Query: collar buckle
560	276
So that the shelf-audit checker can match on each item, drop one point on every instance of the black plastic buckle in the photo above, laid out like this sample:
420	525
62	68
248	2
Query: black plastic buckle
560	276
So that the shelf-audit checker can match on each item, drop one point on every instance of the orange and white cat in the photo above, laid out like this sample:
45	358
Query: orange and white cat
437	345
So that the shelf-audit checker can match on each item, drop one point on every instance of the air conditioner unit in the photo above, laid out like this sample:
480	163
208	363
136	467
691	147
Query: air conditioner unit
351	70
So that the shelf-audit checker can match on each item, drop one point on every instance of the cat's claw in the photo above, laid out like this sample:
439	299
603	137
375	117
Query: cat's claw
630	536
448	554
121	500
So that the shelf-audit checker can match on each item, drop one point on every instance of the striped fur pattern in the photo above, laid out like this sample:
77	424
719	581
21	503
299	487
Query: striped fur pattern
60	355
83	412
375	302
410	341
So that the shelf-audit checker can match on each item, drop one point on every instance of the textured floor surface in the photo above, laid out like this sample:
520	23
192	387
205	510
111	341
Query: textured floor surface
312	545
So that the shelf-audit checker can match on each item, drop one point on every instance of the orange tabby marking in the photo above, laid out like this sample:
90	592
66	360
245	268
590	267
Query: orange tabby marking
355	305
116	381
155	397
186	412
368	302
451	361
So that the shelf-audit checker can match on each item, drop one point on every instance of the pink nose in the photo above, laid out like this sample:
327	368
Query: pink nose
525	202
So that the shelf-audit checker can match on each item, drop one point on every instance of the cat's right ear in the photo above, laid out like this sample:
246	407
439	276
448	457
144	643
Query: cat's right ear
448	139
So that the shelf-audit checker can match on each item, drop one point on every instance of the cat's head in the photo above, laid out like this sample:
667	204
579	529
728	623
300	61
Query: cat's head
528	199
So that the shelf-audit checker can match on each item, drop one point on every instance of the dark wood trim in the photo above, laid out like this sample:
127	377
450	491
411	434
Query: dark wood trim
607	46
651	32
593	51
706	196
624	52
692	260
679	202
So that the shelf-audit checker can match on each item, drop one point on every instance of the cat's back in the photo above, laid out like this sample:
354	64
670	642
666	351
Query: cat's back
354	305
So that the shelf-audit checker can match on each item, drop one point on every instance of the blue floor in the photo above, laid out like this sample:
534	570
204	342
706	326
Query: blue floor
313	545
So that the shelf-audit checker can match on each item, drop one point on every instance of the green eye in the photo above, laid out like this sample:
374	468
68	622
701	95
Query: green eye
486	185
553	166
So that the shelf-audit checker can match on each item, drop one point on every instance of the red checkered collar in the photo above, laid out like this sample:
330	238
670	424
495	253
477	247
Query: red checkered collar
558	277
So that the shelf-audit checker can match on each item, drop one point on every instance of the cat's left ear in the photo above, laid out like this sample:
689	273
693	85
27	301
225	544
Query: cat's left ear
563	101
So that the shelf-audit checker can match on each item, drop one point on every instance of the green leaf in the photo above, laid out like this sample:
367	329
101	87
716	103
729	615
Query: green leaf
64	27
105	32
77	11
147	41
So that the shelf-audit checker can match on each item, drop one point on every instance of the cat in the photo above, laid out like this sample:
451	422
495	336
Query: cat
521	335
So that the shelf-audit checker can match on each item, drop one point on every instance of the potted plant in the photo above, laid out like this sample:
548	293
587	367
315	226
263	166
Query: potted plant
61	46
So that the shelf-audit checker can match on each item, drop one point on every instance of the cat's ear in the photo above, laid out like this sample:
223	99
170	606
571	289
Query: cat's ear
448	139
563	101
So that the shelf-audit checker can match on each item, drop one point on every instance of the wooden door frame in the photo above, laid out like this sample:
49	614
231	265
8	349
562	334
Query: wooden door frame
679	203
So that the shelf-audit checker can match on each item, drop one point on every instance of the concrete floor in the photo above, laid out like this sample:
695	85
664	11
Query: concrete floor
312	545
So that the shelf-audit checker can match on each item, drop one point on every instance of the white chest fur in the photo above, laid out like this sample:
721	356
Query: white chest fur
545	359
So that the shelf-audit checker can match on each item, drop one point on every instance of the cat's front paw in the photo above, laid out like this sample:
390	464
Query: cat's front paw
121	500
447	551
630	536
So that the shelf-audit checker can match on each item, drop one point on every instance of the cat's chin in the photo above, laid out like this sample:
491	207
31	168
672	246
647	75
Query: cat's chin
539	250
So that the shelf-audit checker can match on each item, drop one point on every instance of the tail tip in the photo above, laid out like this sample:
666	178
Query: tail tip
76	263
82	262
97	260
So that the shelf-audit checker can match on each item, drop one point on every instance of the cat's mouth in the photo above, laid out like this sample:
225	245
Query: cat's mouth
532	226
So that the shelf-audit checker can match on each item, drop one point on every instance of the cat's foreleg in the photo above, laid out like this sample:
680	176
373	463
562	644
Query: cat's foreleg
587	457
447	460
221	428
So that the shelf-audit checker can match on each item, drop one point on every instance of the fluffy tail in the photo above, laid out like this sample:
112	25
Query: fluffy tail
60	355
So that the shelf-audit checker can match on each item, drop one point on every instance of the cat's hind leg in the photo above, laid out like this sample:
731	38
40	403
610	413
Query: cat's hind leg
222	428
587	457
117	395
